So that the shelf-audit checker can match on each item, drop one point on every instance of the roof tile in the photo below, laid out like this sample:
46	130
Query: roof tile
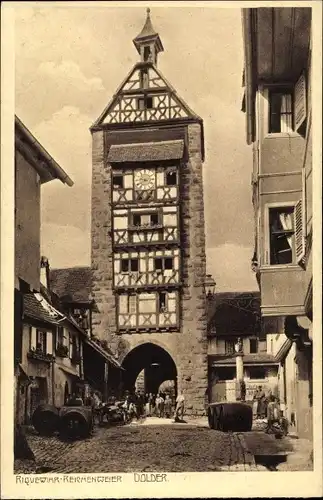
148	151
74	283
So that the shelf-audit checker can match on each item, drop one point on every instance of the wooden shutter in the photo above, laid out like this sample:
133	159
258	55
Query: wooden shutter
299	102
49	343
33	338
299	232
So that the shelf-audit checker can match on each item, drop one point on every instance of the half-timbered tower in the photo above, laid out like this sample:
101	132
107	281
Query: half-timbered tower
148	240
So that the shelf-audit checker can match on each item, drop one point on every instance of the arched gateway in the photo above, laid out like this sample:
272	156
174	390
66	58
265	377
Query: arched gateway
156	364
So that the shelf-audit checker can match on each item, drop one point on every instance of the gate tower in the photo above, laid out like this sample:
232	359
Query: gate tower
148	236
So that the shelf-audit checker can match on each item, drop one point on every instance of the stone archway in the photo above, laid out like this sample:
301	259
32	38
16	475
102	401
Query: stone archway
157	363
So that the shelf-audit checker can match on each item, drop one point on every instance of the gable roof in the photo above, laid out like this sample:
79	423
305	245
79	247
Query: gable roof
35	306
234	313
72	284
122	108
47	168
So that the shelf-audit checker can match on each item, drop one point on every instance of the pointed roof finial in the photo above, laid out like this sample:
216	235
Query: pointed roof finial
148	34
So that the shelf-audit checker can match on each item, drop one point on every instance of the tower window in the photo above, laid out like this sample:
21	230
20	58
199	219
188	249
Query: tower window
171	178
145	103
144	79
163	263
168	263
141	103
129	265
136	220
154	219
147	54
158	264
149	103
162	302
118	182
151	219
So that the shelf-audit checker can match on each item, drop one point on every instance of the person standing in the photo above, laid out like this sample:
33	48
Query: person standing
168	406
179	411
150	403
161	406
262	403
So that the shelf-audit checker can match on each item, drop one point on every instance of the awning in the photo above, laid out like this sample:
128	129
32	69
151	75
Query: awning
248	359
146	151
104	354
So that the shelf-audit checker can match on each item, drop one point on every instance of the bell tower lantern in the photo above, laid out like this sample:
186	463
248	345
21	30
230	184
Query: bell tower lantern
148	42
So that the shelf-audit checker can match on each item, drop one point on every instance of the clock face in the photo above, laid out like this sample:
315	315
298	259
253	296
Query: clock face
144	179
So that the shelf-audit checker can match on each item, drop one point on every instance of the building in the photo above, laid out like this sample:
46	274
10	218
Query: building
148	239
34	319
277	103
100	369
233	316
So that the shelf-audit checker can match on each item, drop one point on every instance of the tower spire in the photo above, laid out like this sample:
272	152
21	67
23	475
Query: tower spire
148	42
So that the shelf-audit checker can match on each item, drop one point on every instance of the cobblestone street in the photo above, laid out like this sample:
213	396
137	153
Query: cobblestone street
154	446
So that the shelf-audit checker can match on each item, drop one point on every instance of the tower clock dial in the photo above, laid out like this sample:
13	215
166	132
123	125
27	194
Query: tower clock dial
144	179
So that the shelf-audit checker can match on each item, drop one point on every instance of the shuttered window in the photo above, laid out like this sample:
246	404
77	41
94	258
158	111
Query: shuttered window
299	102
49	343
282	240
299	232
33	337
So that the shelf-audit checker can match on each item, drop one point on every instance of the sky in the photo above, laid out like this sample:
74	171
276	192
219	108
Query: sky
69	61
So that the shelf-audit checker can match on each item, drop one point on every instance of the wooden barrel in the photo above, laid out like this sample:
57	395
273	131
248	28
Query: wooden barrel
45	419
235	417
76	421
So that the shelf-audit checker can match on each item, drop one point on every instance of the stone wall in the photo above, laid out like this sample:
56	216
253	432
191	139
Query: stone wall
104	321
188	347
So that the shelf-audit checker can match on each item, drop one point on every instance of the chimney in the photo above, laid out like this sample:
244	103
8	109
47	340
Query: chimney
44	272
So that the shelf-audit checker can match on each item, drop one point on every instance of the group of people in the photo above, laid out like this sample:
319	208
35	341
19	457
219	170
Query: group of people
261	402
149	405
136	404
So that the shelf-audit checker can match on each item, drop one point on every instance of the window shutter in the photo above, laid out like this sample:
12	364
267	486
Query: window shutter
49	343
299	232
300	102
33	338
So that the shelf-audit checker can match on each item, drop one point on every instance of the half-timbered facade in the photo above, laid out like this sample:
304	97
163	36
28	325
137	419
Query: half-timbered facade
148	241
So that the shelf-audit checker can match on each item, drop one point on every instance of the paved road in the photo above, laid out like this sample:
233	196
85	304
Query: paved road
152	445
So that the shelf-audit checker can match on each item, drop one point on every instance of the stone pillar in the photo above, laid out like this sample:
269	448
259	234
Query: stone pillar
239	367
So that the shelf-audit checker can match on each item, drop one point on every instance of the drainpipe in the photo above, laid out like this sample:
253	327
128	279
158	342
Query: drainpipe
247	31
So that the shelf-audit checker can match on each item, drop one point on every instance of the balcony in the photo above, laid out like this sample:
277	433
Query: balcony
40	355
148	280
282	290
137	236
144	322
